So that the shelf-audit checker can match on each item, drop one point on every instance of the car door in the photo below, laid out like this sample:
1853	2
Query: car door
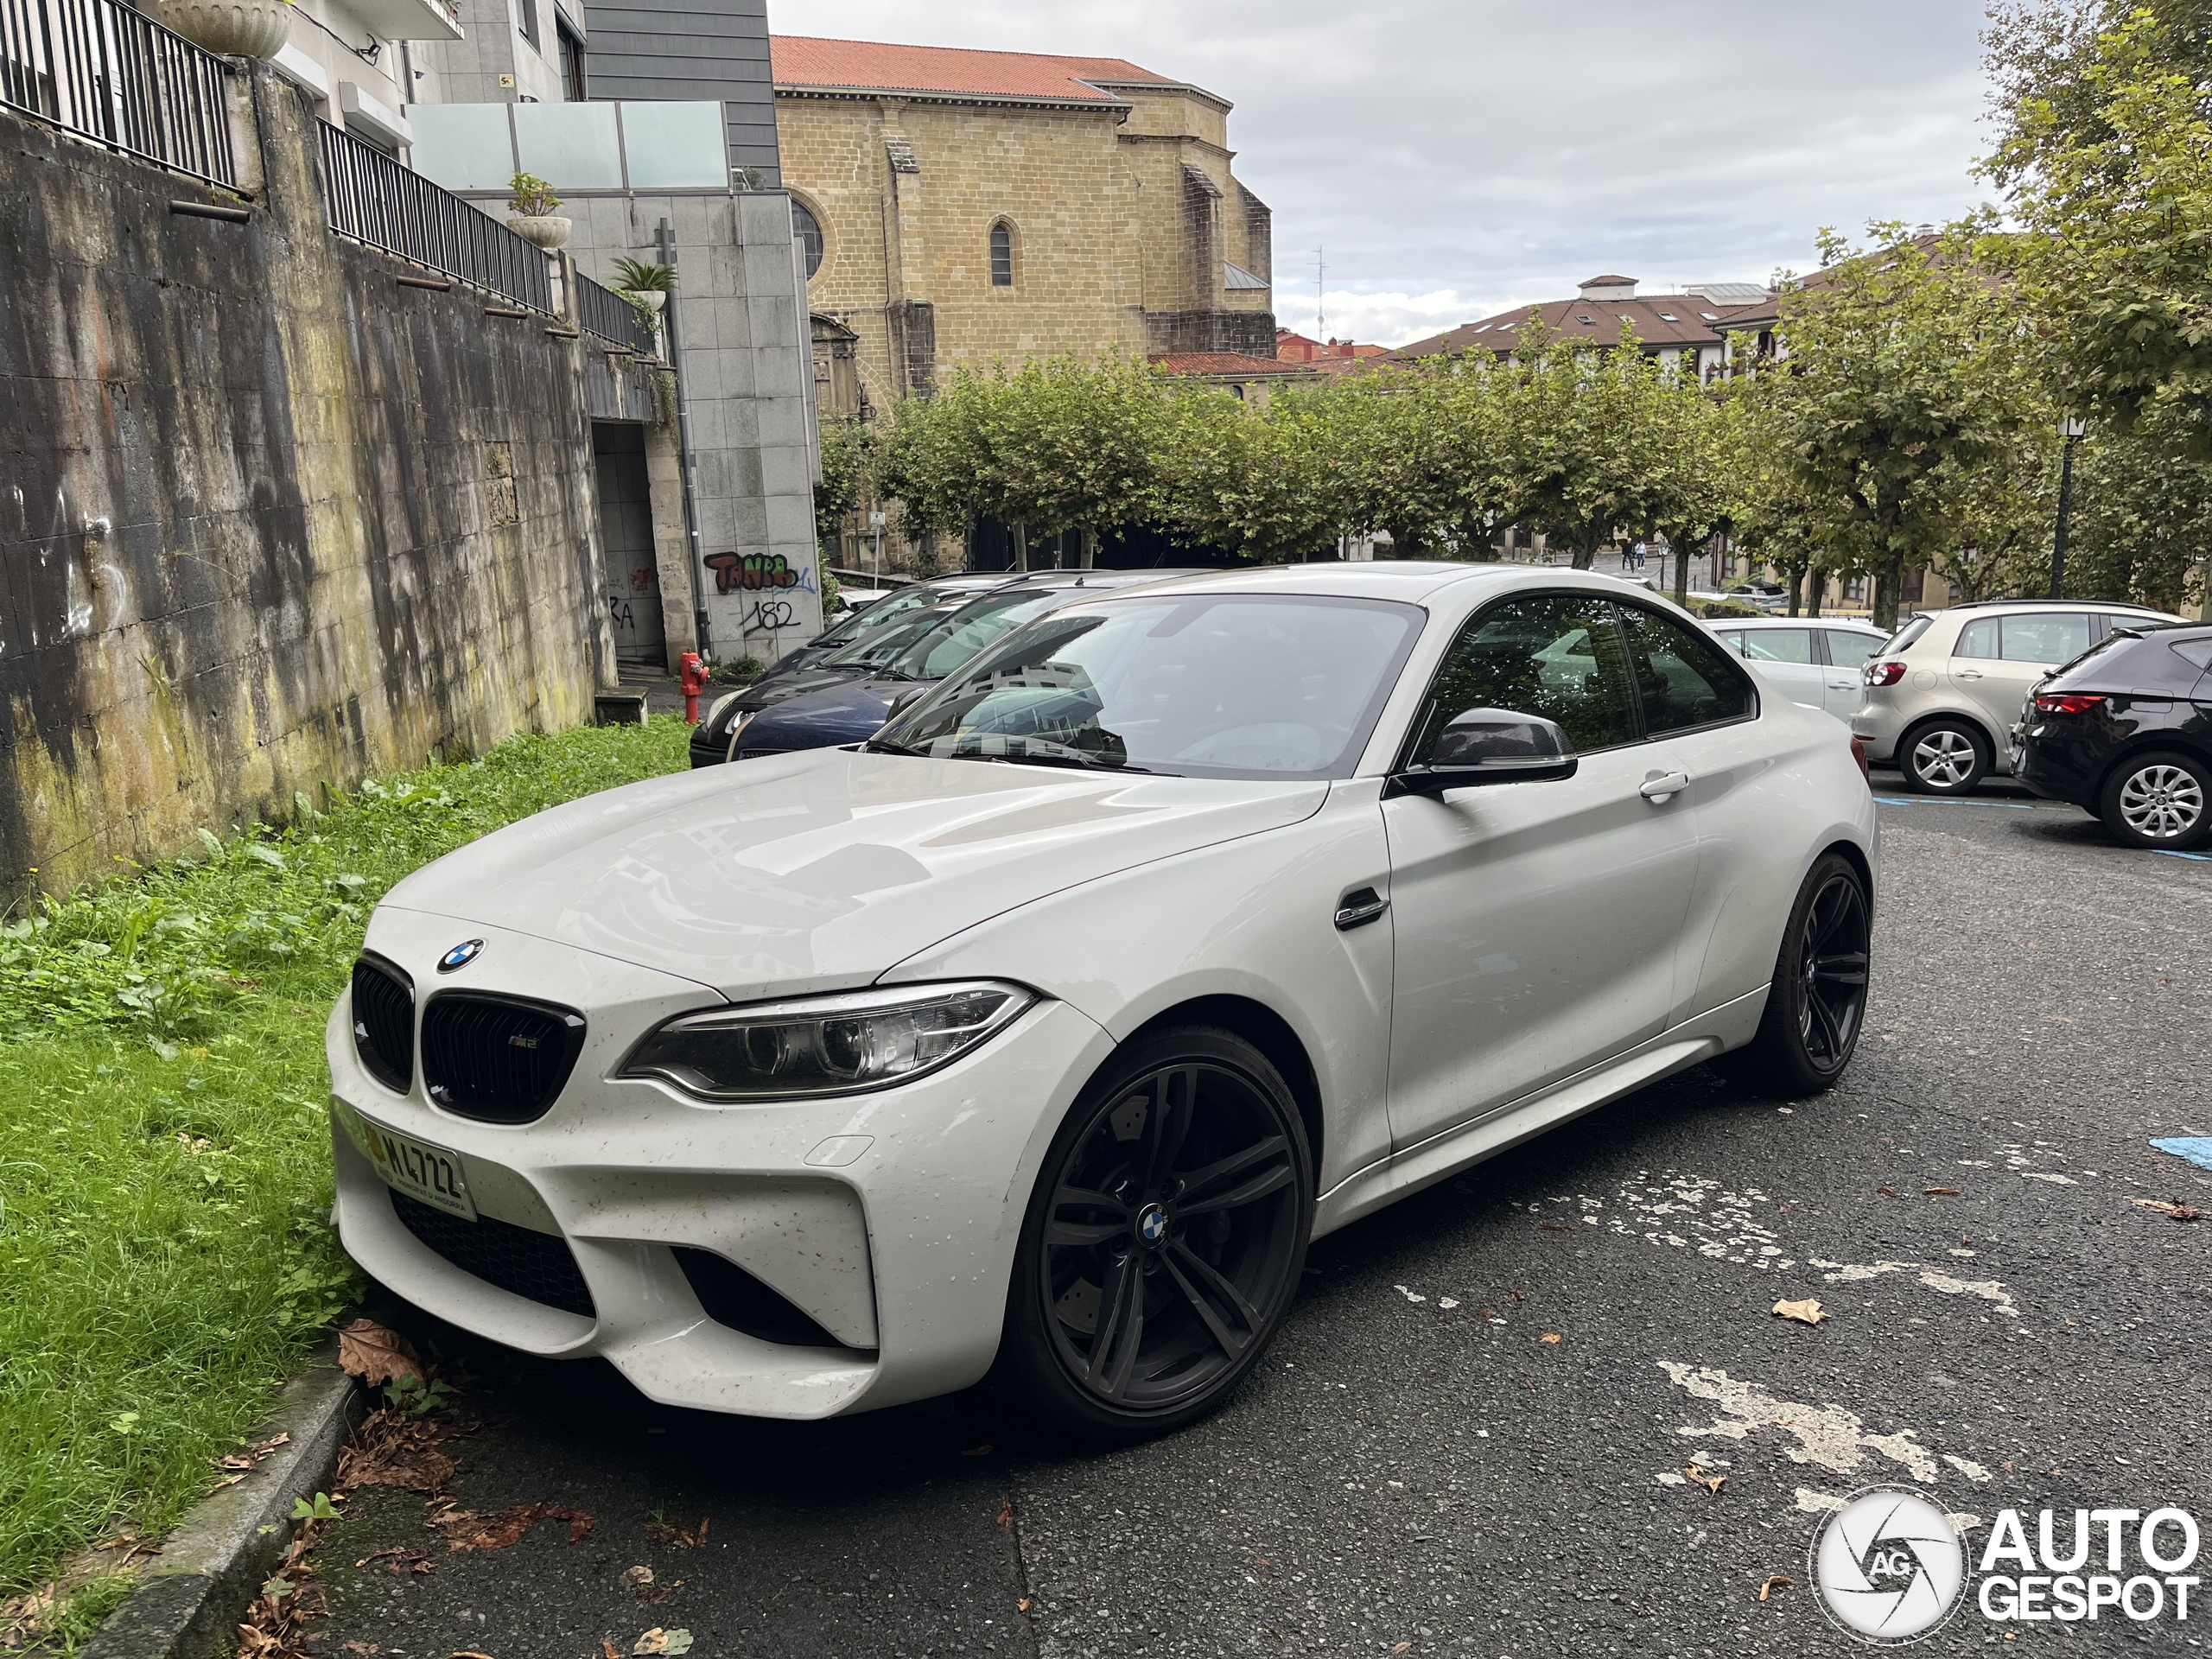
1849	652
1998	659
1536	923
1789	660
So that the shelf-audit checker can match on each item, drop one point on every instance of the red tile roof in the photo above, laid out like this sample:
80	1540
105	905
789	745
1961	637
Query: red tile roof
875	66
1692	324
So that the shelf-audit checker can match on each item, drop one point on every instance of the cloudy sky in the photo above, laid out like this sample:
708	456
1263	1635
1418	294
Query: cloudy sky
1455	157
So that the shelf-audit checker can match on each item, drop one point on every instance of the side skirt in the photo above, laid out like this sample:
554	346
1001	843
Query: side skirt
1410	1169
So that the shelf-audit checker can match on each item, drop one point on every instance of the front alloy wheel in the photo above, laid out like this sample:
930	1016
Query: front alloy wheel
1165	1239
1817	1002
2158	800
1945	759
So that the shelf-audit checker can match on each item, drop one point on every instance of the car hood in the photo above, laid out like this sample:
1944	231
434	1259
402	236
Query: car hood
768	690
821	870
820	719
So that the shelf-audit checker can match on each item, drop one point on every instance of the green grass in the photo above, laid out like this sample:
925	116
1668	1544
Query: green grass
165	1256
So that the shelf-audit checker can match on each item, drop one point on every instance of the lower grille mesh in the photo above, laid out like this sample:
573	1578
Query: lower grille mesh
535	1265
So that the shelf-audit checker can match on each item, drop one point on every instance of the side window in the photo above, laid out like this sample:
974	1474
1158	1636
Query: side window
1556	655
1977	638
1682	677
1732	638
1778	645
2195	650
1850	650
2046	636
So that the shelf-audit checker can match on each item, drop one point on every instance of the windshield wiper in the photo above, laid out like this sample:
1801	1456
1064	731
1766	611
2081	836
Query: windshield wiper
885	745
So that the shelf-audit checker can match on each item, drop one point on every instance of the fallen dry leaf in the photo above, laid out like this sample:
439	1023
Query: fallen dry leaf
1006	1512
608	1650
1021	1606
401	1559
1887	1192
1711	1483
660	1640
1939	1192
471	1653
1516	1295
1485	1312
635	1577
674	1534
352	1644
1400	1647
376	1353
1808	1312
1549	1336
2176	1211
394	1449
1553	1227
466	1529
1773	1584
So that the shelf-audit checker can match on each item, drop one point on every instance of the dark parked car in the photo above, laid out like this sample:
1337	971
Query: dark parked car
2125	730
909	661
816	664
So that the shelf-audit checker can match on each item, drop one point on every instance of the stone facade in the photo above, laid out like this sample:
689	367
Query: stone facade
277	522
1122	215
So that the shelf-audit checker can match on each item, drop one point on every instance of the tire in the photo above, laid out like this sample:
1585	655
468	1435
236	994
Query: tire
2161	800
1225	1177
1944	757
1817	1006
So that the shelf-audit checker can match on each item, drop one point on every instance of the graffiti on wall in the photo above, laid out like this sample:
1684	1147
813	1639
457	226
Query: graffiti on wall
746	572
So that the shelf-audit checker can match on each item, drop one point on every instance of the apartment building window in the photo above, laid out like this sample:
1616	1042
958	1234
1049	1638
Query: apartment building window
1002	255
572	63
527	19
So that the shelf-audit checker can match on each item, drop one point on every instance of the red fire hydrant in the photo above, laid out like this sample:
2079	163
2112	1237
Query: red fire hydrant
692	670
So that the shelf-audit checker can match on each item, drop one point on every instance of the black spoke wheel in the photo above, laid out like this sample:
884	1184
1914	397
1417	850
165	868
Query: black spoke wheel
1817	1003
1165	1239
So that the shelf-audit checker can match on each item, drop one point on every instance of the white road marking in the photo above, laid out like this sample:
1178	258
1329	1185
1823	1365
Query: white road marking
1991	1291
1827	1435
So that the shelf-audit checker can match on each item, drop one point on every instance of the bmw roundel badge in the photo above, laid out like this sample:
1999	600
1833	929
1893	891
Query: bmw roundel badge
460	956
1151	1225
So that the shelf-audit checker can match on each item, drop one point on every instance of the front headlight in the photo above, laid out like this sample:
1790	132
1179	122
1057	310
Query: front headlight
827	1044
714	709
737	727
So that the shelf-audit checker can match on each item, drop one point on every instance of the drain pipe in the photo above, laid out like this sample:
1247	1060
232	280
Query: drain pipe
687	462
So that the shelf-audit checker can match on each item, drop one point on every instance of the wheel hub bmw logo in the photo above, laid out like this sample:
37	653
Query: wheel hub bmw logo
460	956
1152	1223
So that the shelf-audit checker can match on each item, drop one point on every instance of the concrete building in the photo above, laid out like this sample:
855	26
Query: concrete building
1687	327
959	206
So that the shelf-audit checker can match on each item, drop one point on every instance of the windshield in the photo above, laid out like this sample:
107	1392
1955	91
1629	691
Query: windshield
900	611
1212	685
951	640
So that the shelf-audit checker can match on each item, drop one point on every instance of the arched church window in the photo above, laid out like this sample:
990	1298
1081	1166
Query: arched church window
806	230
1002	255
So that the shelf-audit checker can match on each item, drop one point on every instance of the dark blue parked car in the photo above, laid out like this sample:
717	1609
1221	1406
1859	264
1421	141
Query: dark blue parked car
906	663
823	660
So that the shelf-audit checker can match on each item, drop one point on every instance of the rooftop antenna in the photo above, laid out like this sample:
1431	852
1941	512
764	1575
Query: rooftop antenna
1319	270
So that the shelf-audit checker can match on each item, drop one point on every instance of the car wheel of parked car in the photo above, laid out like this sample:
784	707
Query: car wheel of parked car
2158	800
1818	1001
1944	757
1164	1241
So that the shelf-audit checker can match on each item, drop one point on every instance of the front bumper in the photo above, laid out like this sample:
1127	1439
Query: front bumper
890	1218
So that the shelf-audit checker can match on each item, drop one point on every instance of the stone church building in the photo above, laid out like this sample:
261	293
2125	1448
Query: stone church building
958	206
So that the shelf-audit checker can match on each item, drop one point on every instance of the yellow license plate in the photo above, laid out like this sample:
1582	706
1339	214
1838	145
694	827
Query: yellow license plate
420	1170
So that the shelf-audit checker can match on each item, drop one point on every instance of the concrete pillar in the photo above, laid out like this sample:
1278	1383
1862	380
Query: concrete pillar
671	544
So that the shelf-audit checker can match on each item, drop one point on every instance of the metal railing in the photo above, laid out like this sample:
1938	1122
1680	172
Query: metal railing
106	72
613	318
372	199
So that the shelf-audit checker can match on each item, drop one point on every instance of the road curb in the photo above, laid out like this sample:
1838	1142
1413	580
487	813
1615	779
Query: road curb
213	1566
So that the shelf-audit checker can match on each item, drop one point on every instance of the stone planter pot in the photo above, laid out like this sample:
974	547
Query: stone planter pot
231	28
546	231
653	297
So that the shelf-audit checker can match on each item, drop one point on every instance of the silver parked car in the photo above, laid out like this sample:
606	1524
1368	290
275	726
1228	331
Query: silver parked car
1942	696
1814	659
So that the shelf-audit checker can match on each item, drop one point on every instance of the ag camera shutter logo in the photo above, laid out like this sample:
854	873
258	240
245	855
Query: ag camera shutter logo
1889	1566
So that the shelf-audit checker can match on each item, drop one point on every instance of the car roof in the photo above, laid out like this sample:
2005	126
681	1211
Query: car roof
1797	622
2051	604
1410	581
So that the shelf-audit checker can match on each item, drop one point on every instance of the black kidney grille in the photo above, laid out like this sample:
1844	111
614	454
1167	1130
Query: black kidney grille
535	1265
499	1058
384	1022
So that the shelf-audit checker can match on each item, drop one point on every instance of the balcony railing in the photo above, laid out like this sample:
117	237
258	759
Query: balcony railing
106	72
373	200
614	319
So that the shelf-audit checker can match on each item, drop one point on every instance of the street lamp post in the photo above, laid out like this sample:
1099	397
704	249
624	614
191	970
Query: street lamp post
2070	427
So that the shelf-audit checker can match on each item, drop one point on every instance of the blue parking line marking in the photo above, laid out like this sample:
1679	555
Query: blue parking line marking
2168	852
1922	800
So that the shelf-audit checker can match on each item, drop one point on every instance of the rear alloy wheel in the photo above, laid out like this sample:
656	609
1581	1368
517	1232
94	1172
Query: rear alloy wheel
2158	800
1164	1241
1817	1003
1945	757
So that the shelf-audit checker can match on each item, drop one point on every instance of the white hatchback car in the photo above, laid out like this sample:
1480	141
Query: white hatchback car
1046	1029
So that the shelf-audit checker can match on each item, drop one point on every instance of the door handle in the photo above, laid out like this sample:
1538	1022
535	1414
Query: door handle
1843	685
1358	908
1969	673
1665	787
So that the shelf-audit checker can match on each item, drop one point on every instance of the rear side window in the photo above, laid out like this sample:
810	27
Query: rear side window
1683	678
2046	636
2198	652
1732	638
1977	638
1905	635
1851	649
1778	645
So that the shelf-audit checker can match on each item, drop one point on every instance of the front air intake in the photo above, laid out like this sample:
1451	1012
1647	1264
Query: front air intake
502	1059
729	1295
383	1021
519	1261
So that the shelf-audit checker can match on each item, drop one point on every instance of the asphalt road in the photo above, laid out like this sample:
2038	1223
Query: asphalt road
1419	1468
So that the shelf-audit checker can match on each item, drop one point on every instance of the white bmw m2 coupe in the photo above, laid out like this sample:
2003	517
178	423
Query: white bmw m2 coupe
1046	1029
